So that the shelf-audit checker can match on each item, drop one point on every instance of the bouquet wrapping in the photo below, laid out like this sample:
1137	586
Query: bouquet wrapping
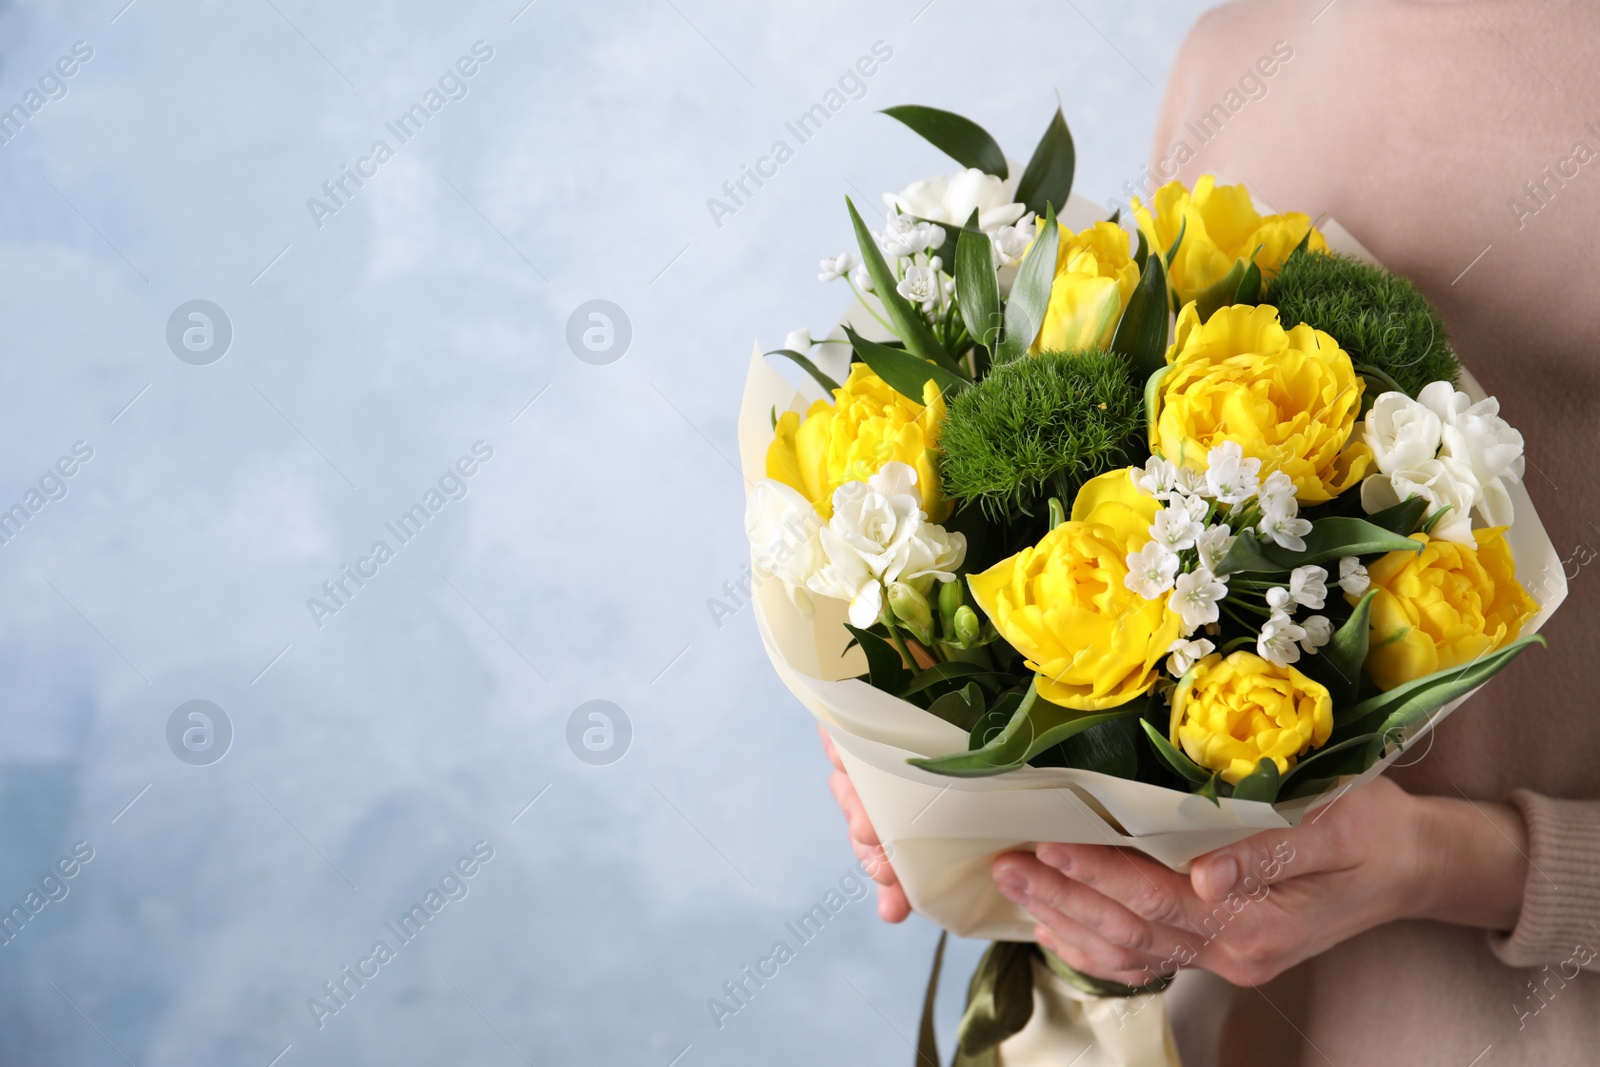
952	782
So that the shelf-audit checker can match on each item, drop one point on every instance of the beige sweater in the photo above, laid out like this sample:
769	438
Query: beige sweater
1420	126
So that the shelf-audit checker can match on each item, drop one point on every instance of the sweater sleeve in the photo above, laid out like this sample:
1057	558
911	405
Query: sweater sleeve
1560	917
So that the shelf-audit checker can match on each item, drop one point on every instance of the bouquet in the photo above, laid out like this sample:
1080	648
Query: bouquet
1155	535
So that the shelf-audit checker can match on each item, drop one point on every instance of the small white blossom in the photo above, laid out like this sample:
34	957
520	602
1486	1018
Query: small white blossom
1178	524
1319	631
1308	586
1195	597
1277	494
1353	576
905	236
1011	242
1214	544
1279	639
862	278
1279	601
838	266
1157	477
1286	531
920	286
1186	654
798	341
1151	570
1230	477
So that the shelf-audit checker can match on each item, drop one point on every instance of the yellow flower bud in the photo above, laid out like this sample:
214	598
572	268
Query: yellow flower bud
1229	714
1095	277
1443	607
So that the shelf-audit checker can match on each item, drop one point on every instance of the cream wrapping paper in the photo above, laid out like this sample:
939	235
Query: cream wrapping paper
943	833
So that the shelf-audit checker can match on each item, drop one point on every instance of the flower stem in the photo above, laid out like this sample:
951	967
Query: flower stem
862	297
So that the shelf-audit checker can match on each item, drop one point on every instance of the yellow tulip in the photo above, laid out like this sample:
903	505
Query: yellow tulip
1220	227
1063	603
1095	276
1229	714
1290	398
1443	607
849	439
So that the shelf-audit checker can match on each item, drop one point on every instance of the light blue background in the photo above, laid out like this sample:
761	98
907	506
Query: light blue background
422	317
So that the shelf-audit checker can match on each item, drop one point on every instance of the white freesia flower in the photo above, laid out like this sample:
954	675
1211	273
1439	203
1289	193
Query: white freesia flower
1195	597
1401	432
1445	483
1011	242
1308	586
921	285
1230	477
1214	544
1319	631
1476	435
1353	576
1177	525
1151	570
838	266
1186	654
1279	639
879	534
783	530
798	341
951	198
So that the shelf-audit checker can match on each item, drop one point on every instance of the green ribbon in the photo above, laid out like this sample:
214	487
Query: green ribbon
1000	1000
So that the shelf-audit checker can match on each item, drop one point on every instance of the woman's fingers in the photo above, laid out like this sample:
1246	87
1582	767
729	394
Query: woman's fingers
828	747
855	814
1143	886
893	906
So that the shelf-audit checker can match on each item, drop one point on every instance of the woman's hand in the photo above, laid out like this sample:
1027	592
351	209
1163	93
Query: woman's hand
1252	910
892	904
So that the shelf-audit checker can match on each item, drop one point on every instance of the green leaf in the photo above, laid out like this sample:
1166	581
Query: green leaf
1142	333
1433	520
1177	242
1030	293
963	708
904	372
944	672
1209	791
1438	689
1141	253
1174	757
955	135
1221	292
1152	395
1337	664
1034	726
1402	518
1320	760
1047	180
978	286
1249	291
885	669
1260	784
806	365
1338	536
1246	556
908	323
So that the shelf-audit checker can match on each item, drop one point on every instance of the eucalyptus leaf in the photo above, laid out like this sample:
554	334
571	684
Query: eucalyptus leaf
805	364
955	135
908	323
1046	181
904	372
978	286
1030	292
1142	333
885	669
